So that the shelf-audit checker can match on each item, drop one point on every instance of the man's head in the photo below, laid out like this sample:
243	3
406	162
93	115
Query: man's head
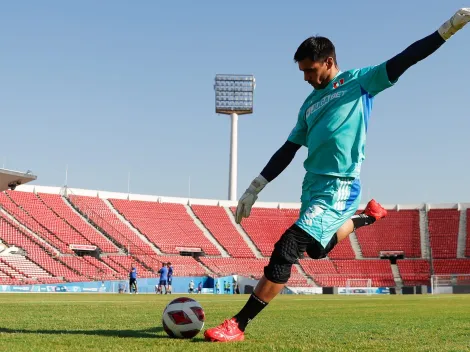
163	265
168	264
316	57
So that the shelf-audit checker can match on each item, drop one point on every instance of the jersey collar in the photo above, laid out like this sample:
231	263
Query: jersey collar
330	84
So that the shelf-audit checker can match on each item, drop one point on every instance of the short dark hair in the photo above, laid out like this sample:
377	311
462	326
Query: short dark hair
315	49
169	263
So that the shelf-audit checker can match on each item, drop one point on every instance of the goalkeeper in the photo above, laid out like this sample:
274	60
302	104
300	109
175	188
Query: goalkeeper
332	124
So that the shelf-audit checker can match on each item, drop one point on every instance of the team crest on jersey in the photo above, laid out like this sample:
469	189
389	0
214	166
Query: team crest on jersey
338	83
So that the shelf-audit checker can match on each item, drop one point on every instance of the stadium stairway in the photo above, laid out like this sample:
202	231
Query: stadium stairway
206	231
467	251
112	227
131	227
77	210
70	215
355	246
244	235
305	276
424	233
462	237
397	276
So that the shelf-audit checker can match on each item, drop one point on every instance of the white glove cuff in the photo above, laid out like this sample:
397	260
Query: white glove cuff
447	30
258	184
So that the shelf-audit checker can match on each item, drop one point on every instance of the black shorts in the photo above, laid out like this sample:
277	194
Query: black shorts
132	282
295	242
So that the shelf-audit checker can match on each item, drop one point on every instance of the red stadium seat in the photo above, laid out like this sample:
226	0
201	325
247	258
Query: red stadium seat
398	231
218	223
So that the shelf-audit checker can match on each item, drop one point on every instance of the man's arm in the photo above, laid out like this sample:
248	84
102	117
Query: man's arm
416	52
280	160
278	163
426	46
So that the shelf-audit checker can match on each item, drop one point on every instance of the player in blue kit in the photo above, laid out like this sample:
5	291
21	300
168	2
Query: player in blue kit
133	280
170	278
163	278
332	124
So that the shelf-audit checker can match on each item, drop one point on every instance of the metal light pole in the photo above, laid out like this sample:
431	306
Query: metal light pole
234	96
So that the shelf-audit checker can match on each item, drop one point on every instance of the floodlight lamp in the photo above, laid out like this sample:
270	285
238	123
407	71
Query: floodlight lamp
234	94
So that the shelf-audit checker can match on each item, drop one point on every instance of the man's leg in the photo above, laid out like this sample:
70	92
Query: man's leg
287	251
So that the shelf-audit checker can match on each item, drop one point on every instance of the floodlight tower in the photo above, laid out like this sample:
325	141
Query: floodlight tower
234	96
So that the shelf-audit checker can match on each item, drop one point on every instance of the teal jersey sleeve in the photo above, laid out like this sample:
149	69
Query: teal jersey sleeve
299	134
374	79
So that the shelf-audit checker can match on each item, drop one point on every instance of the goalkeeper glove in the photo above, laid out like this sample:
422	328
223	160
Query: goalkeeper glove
456	23
249	198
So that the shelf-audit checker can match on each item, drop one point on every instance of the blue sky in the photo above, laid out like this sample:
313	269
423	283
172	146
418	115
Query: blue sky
112	87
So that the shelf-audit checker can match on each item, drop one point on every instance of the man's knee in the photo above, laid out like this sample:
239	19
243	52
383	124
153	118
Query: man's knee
286	252
278	270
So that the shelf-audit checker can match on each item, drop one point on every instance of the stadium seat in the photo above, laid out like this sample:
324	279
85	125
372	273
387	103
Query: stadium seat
265	226
47	218
443	232
216	220
327	272
414	272
398	231
467	250
99	213
57	204
167	225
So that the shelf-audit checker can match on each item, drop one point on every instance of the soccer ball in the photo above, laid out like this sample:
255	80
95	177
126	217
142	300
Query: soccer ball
183	318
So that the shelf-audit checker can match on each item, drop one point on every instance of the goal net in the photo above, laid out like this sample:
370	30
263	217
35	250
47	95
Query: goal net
451	283
359	287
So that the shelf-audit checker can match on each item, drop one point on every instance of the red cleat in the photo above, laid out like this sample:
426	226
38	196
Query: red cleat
375	210
225	332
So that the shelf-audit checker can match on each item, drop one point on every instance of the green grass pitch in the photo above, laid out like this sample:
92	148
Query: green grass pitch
107	322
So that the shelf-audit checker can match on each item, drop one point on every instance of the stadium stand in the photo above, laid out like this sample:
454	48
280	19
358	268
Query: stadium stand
343	250
86	268
182	266
248	267
9	271
28	221
265	226
327	272
399	231
123	264
451	266
46	218
414	271
57	204
443	232
99	213
25	267
467	251
218	223
167	225
36	251
49	225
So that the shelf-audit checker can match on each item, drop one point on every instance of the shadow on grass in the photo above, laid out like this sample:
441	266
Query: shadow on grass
148	333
